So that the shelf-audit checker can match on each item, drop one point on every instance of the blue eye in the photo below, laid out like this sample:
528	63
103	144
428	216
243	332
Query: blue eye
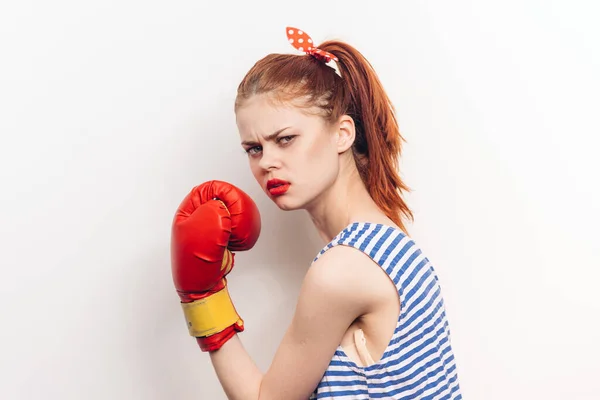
253	150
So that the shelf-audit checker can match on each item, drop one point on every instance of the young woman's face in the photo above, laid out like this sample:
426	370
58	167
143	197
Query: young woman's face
287	144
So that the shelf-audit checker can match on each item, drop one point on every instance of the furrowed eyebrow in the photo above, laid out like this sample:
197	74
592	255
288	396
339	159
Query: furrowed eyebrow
268	138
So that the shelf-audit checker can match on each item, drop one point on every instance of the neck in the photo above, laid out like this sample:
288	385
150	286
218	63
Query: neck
347	201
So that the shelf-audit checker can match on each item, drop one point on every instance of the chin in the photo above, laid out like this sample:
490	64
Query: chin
286	203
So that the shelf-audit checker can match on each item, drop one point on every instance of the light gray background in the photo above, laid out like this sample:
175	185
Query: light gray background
110	112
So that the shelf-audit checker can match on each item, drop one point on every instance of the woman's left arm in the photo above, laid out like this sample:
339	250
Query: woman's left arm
330	299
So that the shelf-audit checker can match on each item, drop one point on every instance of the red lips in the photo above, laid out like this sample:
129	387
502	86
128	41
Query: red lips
276	182
277	187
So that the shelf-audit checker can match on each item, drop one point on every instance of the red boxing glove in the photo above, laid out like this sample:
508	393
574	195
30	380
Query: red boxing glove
214	219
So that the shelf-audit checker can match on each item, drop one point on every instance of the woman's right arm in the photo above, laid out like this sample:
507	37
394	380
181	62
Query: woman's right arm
331	298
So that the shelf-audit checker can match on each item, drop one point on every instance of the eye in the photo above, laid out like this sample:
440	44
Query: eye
252	151
286	139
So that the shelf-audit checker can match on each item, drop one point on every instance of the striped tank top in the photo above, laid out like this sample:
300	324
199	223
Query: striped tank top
418	362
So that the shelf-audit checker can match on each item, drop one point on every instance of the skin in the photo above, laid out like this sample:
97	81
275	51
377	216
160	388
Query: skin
342	291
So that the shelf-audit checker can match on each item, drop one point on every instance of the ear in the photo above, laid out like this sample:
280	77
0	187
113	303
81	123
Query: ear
346	133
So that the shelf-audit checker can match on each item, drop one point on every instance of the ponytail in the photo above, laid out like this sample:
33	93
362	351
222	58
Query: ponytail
378	142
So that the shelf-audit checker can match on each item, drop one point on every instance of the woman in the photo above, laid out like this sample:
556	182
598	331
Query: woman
321	135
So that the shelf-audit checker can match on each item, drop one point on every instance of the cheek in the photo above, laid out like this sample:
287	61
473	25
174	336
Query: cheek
255	169
326	147
323	159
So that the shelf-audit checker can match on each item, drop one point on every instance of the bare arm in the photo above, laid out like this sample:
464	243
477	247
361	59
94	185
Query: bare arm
237	372
331	298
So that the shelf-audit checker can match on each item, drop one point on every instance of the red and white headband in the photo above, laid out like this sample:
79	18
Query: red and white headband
301	41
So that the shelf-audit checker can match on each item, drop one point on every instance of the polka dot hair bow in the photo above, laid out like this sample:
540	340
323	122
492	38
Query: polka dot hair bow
301	41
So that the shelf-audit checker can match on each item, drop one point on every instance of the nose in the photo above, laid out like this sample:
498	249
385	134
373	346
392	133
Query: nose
269	160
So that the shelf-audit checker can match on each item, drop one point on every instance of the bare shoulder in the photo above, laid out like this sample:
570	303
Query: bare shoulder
351	276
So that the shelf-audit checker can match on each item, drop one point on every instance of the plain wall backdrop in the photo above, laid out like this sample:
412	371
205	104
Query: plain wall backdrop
111	111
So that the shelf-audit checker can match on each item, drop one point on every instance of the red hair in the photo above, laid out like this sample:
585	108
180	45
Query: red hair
360	95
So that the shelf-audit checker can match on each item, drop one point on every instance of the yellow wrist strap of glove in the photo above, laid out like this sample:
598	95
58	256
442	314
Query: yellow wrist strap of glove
210	315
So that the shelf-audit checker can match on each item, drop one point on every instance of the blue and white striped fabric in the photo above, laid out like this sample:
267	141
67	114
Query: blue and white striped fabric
418	362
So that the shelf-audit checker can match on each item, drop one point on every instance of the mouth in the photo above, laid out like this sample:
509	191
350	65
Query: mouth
277	187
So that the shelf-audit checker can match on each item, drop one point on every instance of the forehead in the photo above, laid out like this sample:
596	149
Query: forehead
261	114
